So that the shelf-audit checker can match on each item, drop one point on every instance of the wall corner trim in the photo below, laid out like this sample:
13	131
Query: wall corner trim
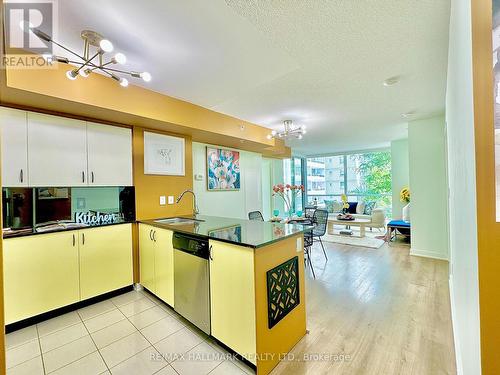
458	353
428	254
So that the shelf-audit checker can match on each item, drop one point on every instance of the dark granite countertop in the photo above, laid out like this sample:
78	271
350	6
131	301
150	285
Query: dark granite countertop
249	233
33	232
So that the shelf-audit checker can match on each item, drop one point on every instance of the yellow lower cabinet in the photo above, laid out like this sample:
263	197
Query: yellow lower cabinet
164	265
105	259
232	297
40	274
147	257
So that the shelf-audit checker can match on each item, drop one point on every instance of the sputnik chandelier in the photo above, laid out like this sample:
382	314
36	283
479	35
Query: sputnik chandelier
290	131
93	60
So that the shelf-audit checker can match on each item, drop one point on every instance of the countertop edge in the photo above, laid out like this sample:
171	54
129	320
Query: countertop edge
28	234
152	223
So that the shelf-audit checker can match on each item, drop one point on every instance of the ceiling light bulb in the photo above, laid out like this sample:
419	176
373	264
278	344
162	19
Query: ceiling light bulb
146	76
269	136
304	131
120	58
71	74
106	45
124	82
84	73
273	133
299	136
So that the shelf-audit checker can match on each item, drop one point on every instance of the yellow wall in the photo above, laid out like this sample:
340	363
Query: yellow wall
488	228
148	188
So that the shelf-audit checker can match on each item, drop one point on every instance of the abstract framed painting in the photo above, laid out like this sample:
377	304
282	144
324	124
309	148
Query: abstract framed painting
164	155
223	169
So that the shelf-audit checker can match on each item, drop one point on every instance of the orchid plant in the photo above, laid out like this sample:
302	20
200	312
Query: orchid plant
287	193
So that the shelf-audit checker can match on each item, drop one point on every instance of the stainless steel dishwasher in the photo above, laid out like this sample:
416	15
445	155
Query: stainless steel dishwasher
191	279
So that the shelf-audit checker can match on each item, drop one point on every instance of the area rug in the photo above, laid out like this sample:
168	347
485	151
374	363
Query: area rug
368	241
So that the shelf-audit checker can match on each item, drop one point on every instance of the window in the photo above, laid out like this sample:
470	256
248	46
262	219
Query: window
361	176
293	174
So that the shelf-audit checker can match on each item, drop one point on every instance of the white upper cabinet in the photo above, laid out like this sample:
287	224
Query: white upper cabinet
57	151
14	137
109	155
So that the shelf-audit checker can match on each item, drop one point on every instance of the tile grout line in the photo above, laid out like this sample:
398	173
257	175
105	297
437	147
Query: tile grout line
29	359
98	351
60	329
40	346
38	337
70	363
67	364
149	342
204	340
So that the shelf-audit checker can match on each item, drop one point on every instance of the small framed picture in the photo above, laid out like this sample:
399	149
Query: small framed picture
164	155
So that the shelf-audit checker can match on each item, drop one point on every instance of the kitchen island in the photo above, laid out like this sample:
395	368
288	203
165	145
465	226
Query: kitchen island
256	273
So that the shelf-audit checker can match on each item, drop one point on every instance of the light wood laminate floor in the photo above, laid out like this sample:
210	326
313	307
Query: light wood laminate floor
375	311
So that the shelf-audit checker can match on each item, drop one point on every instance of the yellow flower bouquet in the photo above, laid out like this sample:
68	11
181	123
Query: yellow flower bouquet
345	204
404	195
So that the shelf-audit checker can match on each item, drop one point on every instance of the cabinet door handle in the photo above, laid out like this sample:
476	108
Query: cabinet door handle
83	238
210	254
154	236
73	239
92	175
151	235
83	176
21	176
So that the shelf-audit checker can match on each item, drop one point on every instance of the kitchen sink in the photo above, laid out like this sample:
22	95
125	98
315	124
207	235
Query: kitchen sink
177	220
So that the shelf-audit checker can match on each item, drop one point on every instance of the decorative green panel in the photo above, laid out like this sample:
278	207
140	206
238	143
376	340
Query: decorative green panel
282	290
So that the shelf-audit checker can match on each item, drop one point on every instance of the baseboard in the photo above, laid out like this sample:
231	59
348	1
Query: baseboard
427	254
458	353
64	310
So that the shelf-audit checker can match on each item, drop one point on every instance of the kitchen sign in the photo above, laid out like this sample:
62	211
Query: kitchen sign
96	218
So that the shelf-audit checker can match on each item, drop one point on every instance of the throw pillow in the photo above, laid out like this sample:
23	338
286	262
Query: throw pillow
329	205
369	206
360	208
337	206
352	207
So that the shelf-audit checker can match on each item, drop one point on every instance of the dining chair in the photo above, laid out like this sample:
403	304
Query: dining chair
309	211
308	242
255	215
320	222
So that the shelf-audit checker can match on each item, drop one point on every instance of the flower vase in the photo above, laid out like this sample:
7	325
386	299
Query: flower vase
406	213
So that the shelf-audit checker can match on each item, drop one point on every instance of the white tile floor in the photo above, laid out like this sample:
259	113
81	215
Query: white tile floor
133	333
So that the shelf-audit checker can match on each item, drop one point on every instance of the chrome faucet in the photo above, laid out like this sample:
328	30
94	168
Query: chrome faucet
196	211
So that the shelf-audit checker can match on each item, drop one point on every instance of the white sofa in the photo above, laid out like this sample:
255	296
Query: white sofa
377	216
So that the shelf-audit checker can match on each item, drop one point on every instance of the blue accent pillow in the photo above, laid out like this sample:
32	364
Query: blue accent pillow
369	206
329	205
352	207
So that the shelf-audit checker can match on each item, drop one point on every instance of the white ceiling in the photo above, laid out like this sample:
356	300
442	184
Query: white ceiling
320	63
